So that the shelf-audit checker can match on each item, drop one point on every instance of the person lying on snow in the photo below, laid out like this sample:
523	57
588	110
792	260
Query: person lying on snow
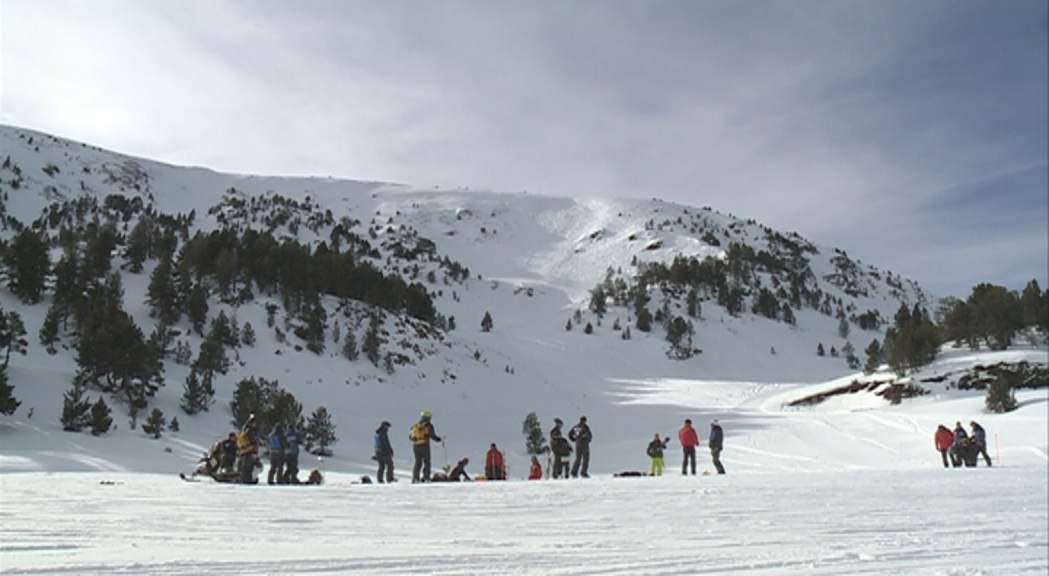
457	474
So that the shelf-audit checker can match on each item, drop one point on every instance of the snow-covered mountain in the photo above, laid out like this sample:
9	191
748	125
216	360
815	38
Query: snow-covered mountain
530	262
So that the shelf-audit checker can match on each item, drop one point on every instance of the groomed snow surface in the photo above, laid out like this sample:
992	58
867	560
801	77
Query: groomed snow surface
789	505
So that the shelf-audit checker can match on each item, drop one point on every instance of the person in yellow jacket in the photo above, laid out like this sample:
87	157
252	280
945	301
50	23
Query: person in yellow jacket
247	450
422	432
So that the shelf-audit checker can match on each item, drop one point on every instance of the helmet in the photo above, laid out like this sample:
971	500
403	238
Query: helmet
426	414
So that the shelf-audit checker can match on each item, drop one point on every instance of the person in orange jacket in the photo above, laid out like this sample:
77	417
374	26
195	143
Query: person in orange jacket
944	439
689	440
494	465
535	472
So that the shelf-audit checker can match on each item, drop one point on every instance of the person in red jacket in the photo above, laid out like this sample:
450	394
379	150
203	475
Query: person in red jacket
689	440
494	465
944	440
535	472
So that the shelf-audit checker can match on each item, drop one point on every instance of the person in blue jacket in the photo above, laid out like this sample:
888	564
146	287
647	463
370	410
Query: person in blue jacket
384	453
277	443
961	438
291	455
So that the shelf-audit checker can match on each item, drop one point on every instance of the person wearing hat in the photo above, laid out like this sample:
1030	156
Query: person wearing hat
580	434
716	443
494	464
561	449
689	439
422	432
384	453
979	438
248	450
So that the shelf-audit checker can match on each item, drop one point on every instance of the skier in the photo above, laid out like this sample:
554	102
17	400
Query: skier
277	444
958	446
384	453
494	464
580	434
421	433
689	440
561	449
943	439
291	455
535	472
716	443
655	452
979	436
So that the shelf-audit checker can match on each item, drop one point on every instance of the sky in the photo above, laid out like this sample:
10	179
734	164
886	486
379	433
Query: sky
912	135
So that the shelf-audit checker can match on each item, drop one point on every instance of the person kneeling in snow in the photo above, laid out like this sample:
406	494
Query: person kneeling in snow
457	474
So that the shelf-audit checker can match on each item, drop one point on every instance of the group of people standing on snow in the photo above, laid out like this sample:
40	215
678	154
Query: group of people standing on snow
689	439
959	448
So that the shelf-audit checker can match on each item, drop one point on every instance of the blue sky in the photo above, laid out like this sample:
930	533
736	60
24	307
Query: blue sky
913	135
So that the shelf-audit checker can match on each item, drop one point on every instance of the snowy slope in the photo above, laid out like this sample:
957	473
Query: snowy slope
849	485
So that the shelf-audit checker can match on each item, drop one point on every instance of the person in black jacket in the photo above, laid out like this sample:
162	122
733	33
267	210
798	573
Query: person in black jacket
655	452
561	449
384	453
580	434
716	444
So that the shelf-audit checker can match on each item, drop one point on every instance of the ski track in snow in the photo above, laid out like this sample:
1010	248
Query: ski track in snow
943	521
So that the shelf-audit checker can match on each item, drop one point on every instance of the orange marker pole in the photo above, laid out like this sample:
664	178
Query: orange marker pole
997	454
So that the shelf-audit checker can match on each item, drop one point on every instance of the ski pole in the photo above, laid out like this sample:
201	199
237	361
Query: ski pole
445	448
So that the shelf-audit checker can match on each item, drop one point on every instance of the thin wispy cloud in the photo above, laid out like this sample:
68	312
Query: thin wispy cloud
875	127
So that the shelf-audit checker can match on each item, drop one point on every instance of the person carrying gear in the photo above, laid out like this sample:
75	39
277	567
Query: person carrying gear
228	453
247	450
421	433
384	453
494	464
561	448
655	452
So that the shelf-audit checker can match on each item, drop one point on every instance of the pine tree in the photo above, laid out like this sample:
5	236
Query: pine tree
8	403
12	335
154	424
247	335
195	396
349	347
588	329
486	322
174	425
1000	395
320	432
644	320
371	343
819	350
535	441
252	396
27	265
101	419
49	330
873	352
75	409
843	327
197	307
